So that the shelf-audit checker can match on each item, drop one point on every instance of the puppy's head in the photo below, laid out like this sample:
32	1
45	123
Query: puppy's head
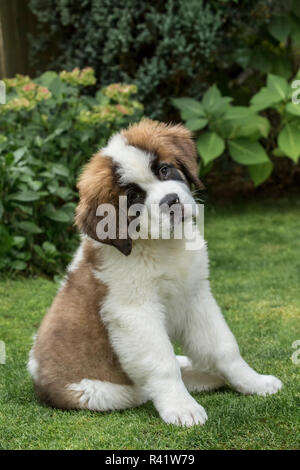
150	164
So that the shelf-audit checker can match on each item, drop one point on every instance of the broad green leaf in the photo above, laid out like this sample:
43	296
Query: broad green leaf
19	242
265	98
196	124
189	105
25	196
210	145
18	265
39	251
211	98
221	106
278	85
56	87
63	193
254	127
263	125
260	173
237	112
247	152
289	141
47	78
24	255
293	109
280	28
58	216
18	154
60	169
29	227
49	249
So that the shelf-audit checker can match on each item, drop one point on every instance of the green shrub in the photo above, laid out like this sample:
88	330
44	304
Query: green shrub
167	47
48	129
248	137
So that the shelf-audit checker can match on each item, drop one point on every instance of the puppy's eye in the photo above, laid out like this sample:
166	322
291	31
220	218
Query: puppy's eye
164	172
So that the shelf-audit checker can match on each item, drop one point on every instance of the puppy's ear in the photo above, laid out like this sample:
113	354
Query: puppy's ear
97	185
187	162
186	156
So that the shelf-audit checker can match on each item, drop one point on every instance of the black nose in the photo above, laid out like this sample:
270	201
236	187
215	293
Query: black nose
170	199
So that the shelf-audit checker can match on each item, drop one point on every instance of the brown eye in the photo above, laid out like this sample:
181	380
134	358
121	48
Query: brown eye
164	172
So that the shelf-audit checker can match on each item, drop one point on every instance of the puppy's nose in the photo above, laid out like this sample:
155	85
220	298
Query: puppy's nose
170	199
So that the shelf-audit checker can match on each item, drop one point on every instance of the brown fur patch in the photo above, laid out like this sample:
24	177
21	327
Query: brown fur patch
72	343
171	143
98	185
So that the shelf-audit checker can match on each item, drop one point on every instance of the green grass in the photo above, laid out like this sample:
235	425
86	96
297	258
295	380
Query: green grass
255	269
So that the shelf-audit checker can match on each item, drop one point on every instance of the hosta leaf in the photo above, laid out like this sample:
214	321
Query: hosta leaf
247	152
260	173
189	106
196	124
210	145
289	141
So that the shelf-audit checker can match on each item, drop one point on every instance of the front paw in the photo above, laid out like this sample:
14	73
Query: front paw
185	412
262	385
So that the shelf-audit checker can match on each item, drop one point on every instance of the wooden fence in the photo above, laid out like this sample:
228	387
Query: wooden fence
16	21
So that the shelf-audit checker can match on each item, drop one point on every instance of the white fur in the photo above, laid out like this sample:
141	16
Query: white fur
78	257
158	293
103	396
32	365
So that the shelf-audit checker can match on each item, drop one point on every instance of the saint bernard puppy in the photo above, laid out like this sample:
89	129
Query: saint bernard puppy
106	342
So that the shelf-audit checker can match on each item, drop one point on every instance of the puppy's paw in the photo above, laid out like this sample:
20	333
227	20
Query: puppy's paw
187	413
263	385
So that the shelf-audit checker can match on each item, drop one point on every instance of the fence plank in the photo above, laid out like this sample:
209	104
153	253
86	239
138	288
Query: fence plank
16	21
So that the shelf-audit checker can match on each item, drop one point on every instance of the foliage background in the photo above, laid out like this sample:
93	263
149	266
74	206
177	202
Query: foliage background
167	48
223	67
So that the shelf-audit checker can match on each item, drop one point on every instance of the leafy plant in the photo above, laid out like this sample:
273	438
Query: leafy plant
48	128
248	137
167	47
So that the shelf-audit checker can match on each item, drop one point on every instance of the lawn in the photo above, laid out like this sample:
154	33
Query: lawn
255	269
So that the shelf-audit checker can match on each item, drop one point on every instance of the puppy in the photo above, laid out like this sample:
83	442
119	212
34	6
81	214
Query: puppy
105	344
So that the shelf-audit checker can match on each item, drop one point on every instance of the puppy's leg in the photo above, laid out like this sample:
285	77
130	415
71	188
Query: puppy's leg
139	337
212	346
195	380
